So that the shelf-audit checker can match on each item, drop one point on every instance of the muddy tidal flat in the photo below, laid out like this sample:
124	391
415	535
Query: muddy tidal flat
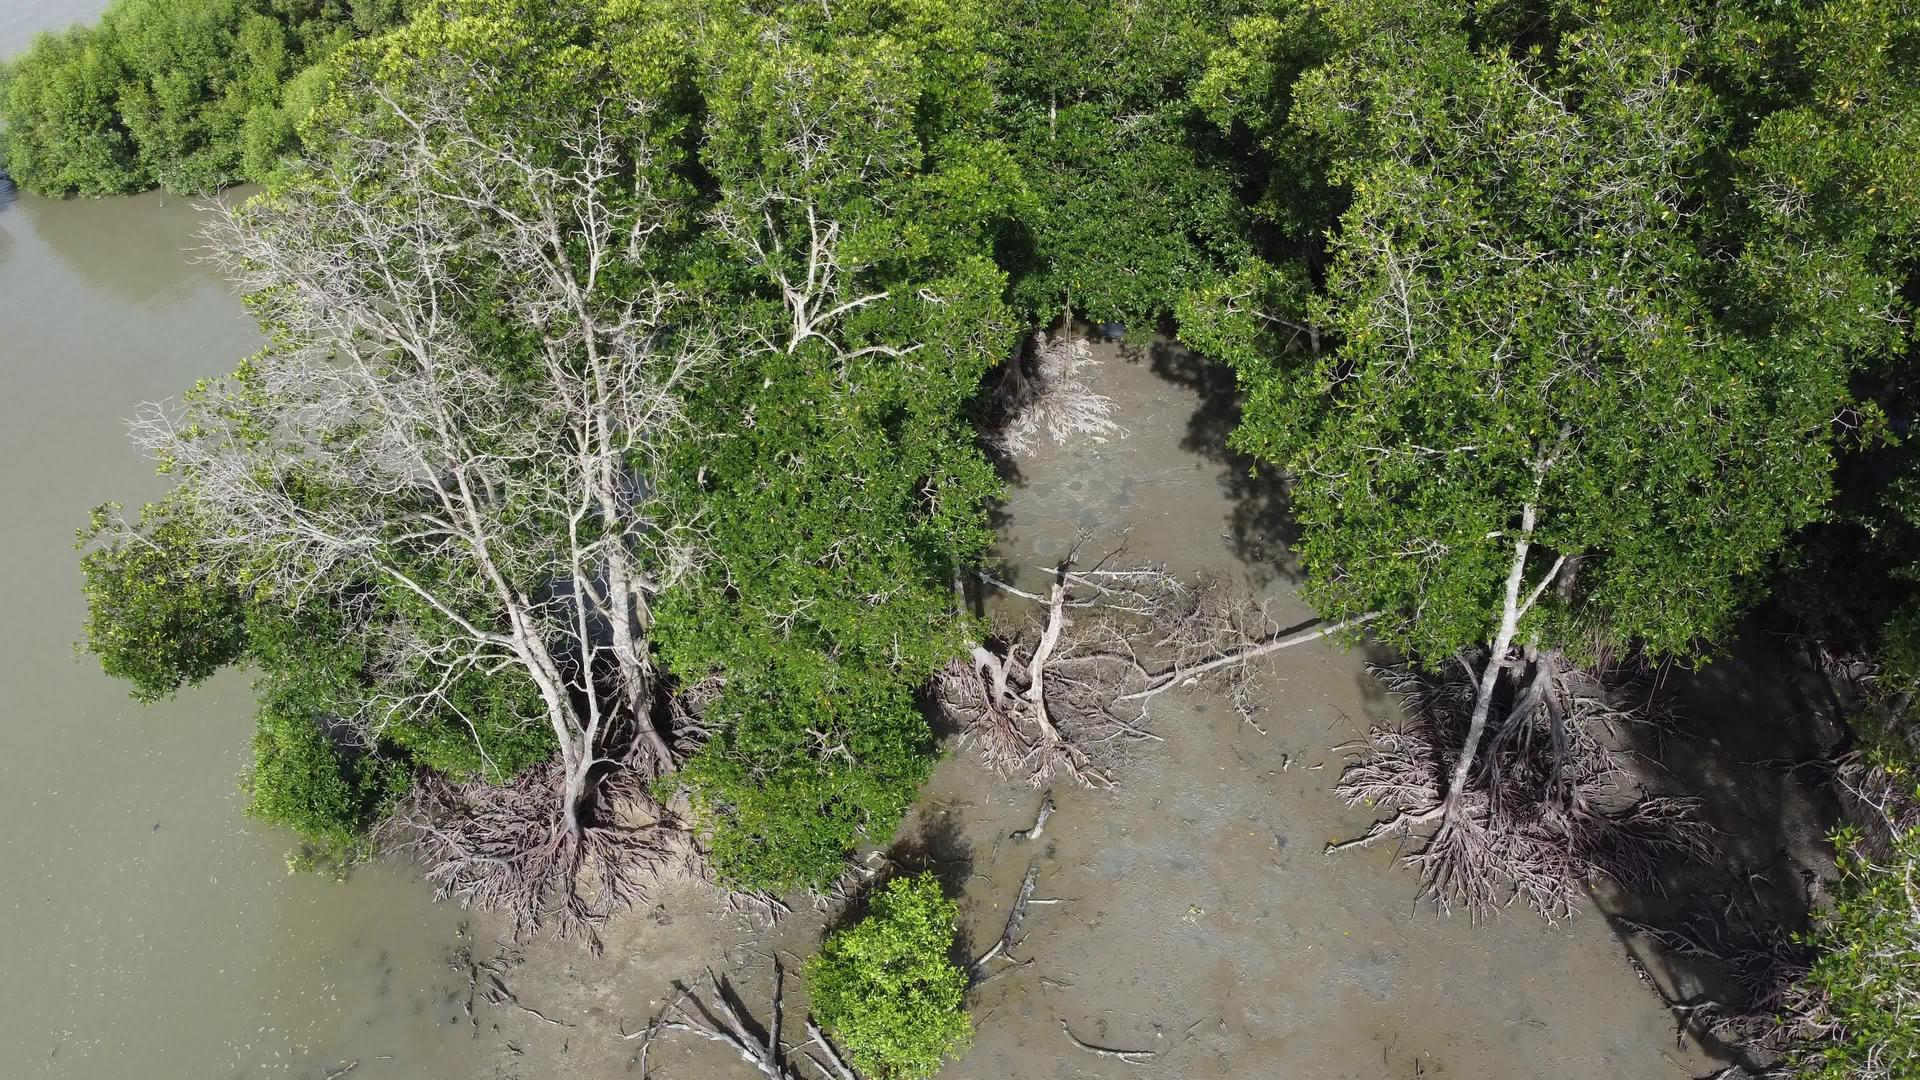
1197	917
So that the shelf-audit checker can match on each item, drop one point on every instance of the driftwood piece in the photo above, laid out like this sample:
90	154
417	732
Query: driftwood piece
1039	820
834	1067
1131	1057
1004	947
715	1019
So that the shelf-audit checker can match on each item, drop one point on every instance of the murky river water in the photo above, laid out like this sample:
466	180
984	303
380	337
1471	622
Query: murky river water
147	928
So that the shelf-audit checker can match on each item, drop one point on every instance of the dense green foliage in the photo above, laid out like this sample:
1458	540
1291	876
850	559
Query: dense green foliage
305	775
840	491
189	95
887	989
151	618
1129	205
1862	984
1611	300
823	234
1538	293
158	623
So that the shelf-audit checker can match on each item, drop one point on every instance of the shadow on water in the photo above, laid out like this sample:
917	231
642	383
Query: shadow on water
1746	727
1262	532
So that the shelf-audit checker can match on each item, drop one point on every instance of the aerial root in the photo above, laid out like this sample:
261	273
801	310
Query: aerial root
1068	697
506	847
1547	808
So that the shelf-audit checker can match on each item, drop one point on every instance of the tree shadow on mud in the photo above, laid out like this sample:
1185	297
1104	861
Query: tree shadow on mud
1747	735
1262	530
932	841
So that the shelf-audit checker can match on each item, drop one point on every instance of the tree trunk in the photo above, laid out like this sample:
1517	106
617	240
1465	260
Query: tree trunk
1037	667
1510	612
574	794
635	672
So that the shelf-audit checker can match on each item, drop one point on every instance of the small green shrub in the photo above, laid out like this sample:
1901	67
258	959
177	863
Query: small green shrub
302	780
306	776
887	989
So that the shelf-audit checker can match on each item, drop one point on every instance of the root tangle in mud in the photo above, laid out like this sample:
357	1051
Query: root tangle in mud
1067	696
506	847
1047	395
1548	805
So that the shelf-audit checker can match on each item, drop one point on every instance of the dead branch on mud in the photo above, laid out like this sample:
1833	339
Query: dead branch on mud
1039	820
1004	947
1070	694
1547	806
1131	1057
715	1019
508	847
1046	392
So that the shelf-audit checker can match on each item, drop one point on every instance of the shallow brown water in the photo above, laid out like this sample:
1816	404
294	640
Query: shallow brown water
147	928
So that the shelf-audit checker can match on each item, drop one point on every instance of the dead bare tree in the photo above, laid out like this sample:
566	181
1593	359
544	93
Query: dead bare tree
1070	694
377	442
1546	807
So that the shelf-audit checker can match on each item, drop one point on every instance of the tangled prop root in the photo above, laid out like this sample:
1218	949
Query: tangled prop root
1548	806
506	847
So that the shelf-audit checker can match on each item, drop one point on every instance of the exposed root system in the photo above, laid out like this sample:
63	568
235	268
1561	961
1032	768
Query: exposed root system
1547	807
1067	696
507	847
1764	1006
